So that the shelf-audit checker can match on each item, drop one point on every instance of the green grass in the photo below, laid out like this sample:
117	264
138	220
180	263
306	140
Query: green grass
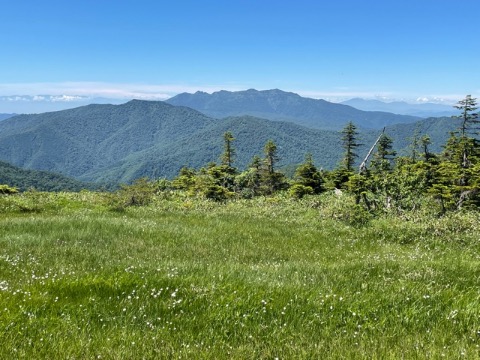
259	279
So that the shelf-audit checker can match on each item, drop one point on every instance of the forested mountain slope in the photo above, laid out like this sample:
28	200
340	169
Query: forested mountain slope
78	140
5	116
118	143
39	180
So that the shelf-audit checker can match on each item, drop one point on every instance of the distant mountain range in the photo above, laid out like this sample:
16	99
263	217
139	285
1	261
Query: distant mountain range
119	143
279	105
399	107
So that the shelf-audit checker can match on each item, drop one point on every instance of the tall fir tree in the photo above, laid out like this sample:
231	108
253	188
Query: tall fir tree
228	150
350	143
468	116
467	145
271	156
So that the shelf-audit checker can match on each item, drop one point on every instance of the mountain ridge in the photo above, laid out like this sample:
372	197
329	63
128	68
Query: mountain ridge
278	105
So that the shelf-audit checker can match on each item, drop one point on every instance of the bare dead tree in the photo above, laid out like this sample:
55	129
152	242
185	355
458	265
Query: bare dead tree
363	165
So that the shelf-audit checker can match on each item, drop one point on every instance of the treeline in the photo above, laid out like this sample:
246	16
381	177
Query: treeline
382	181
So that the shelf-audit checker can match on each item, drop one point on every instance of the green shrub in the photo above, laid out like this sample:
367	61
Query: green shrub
343	208
7	190
299	191
140	193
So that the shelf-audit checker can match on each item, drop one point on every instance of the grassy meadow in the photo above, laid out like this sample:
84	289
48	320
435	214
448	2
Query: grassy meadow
268	278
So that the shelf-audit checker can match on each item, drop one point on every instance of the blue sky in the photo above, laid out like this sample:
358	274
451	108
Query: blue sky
397	49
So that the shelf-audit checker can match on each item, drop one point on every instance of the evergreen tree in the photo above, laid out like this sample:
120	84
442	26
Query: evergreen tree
350	143
307	179
468	115
256	163
414	145
272	180
468	120
229	151
425	142
185	179
382	158
249	182
271	157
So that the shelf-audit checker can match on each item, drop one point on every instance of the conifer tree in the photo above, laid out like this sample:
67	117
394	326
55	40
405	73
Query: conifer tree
271	157
414	146
228	150
468	120
468	117
350	143
382	159
308	179
272	180
425	142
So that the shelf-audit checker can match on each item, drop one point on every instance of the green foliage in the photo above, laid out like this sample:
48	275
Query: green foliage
382	158
140	193
338	178
249	182
425	142
344	208
358	185
308	176
215	182
299	191
271	156
468	117
7	190
185	179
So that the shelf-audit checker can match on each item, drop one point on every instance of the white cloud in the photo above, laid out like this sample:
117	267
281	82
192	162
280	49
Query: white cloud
66	98
68	91
72	92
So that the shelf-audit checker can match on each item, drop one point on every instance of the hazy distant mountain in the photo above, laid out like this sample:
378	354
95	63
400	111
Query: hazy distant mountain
285	106
403	108
6	116
118	143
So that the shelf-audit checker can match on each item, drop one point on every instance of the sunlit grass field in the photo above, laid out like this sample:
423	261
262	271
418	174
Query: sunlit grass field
252	279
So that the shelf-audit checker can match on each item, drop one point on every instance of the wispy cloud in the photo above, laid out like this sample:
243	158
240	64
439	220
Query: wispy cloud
109	90
80	91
